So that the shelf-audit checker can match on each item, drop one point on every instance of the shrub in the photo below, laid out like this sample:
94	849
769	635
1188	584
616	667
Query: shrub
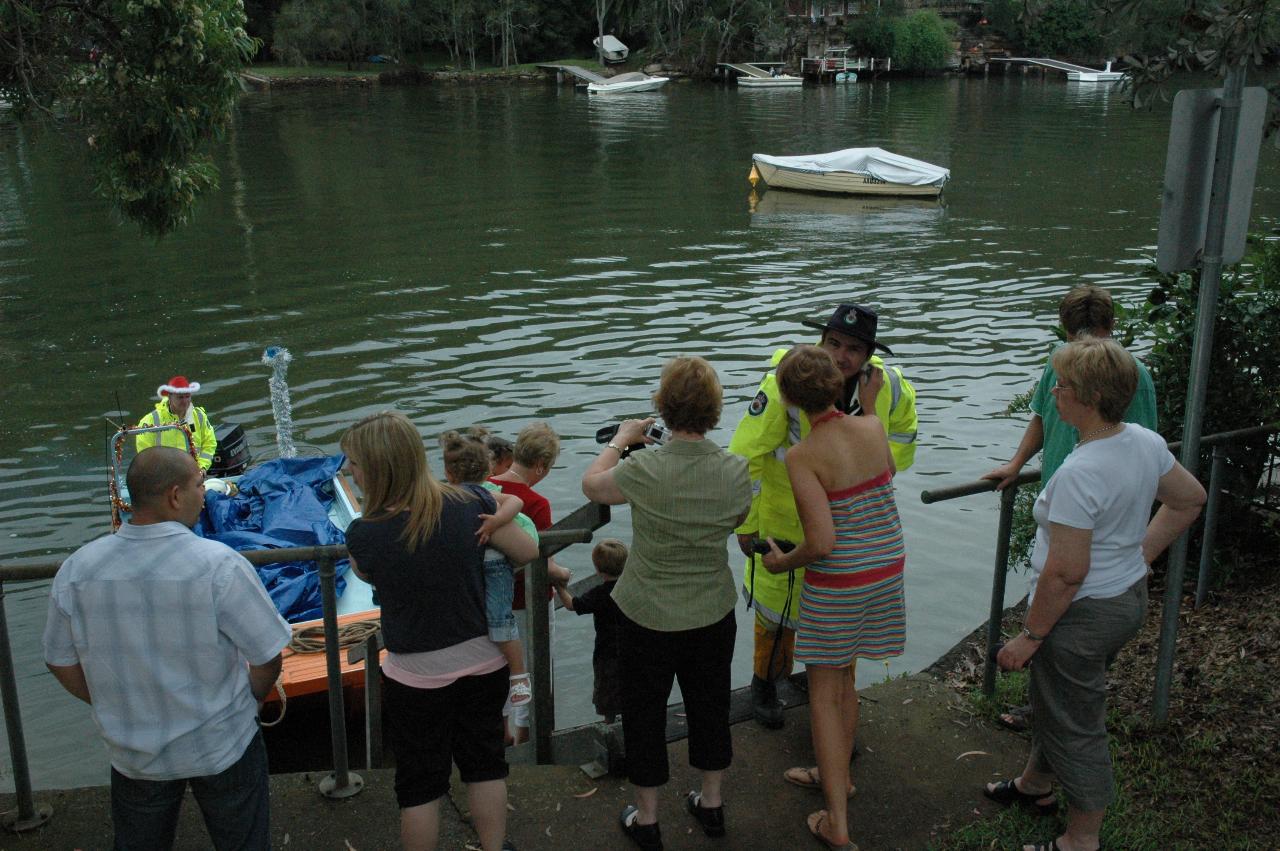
1242	391
1062	28
921	43
871	35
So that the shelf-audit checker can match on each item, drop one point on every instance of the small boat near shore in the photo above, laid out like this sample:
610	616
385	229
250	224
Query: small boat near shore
852	171
632	81
781	81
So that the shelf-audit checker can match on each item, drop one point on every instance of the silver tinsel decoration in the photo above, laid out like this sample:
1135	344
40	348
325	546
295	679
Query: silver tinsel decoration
278	357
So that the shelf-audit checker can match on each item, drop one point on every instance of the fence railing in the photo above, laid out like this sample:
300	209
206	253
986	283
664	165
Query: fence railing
1008	496
577	527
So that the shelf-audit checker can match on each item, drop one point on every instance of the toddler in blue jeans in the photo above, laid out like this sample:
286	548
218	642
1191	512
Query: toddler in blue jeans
467	462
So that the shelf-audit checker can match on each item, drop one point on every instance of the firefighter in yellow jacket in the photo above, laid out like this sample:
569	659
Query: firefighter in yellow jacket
763	437
175	407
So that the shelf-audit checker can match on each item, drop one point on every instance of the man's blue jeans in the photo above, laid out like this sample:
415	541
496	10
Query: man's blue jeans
234	804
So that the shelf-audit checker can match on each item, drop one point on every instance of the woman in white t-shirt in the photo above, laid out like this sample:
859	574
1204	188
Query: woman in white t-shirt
1095	541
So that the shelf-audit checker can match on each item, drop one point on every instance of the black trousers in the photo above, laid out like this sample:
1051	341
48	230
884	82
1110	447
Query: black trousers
699	660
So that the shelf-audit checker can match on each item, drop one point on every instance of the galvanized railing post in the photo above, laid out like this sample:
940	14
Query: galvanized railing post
341	783
543	721
373	701
29	816
1007	498
1210	524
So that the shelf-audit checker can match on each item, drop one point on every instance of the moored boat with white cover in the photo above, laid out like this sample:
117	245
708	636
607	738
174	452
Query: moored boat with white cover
633	81
781	81
852	171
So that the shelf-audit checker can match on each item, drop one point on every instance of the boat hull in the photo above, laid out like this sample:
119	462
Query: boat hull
784	82
627	87
839	183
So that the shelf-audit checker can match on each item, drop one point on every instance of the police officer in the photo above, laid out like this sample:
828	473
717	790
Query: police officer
763	437
175	407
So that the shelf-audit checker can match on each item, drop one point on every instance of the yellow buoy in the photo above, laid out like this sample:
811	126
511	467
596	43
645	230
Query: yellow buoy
754	177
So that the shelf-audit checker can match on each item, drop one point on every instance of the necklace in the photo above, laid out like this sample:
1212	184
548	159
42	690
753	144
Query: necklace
829	415
515	476
1097	431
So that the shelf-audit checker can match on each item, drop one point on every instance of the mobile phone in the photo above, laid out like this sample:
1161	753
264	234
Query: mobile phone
761	545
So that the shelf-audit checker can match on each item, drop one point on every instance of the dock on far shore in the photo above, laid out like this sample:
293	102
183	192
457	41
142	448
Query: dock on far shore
923	760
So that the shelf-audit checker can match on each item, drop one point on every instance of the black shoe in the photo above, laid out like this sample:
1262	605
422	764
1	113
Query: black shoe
711	818
765	705
647	836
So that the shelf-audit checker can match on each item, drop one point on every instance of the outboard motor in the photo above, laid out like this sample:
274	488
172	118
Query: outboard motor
232	455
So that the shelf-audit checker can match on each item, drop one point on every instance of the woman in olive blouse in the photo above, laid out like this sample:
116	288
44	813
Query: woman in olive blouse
677	593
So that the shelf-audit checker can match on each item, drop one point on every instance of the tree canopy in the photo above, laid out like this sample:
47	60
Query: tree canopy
147	84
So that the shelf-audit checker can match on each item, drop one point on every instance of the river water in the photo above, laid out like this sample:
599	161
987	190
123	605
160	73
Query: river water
500	254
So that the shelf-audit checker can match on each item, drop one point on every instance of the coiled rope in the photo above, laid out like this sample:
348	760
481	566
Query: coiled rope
311	640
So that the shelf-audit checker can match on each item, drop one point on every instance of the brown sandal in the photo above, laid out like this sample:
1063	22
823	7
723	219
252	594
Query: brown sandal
814	821
807	778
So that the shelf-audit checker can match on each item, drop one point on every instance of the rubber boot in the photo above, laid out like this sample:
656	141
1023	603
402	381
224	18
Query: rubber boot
765	705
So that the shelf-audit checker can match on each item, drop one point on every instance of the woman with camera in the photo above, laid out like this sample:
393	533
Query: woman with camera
851	602
677	593
1095	540
445	682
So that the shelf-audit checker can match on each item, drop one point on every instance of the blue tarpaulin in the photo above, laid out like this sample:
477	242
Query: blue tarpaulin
282	503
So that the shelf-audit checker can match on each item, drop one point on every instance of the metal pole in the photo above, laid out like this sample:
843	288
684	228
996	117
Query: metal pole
29	816
1210	525
543	722
341	783
1007	497
1198	383
372	702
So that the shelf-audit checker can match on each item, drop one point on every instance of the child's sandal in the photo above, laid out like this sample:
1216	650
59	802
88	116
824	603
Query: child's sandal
521	689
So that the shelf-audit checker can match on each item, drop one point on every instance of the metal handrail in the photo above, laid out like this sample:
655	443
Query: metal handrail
1008	496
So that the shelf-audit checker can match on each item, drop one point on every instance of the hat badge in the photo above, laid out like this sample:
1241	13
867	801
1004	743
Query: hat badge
851	316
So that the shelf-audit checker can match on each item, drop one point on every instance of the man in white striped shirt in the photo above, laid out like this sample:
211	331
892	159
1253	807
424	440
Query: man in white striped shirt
173	641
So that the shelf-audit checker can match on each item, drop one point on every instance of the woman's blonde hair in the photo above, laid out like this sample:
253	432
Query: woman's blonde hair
689	396
395	475
1101	374
537	444
809	378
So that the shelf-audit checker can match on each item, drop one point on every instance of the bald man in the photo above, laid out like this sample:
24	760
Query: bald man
173	642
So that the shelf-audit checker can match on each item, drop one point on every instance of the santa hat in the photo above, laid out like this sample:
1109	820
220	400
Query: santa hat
178	384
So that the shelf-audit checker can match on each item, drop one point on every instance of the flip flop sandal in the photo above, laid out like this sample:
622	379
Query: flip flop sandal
1007	792
807	778
521	689
814	823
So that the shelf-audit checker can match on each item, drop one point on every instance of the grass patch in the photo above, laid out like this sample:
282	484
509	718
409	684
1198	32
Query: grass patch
322	69
1210	778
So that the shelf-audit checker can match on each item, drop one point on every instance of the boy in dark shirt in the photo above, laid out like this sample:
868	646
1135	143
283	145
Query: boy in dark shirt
609	557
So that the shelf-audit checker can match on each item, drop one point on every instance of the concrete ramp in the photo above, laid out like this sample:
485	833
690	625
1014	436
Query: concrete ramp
574	70
746	69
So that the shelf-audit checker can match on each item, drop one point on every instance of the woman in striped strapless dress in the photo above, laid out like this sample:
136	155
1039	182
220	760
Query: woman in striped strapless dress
851	603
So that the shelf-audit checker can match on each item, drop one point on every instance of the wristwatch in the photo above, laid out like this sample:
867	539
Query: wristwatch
1029	634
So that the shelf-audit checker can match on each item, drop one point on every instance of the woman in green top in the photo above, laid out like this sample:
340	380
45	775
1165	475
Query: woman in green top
677	593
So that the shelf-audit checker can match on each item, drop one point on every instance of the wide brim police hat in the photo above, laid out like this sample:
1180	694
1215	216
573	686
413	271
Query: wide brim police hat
856	320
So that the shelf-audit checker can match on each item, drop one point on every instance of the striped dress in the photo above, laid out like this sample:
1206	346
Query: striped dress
852	603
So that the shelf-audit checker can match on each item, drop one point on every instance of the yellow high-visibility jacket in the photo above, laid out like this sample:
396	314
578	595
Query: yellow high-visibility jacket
763	437
197	421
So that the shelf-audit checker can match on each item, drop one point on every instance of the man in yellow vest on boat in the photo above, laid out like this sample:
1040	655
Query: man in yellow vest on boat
763	437
175	407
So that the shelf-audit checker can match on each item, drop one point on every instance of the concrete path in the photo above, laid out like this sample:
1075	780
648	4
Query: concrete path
923	761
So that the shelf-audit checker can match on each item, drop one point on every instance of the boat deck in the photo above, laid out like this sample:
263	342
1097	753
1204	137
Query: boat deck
306	673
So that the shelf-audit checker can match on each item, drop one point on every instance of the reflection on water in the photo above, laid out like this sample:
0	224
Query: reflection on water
868	214
499	254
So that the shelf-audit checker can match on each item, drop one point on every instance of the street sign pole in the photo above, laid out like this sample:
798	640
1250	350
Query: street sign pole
1198	383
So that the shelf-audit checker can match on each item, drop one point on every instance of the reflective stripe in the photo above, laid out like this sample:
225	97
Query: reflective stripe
793	433
895	388
205	456
902	436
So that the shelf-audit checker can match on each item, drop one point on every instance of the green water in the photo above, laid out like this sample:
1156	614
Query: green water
498	254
